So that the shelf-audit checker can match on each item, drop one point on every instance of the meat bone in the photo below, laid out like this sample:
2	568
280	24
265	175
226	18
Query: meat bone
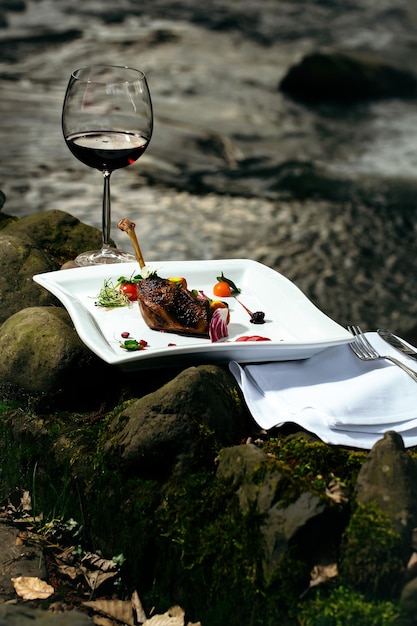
129	227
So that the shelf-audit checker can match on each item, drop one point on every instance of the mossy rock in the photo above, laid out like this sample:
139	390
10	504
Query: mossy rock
43	357
388	478
163	431
20	260
371	554
60	235
5	220
186	535
28	616
343	607
378	539
34	245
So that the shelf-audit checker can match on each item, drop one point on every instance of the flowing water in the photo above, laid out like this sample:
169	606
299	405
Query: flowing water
214	70
226	58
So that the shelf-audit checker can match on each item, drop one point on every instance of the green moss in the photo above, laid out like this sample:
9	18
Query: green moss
18	452
120	516
311	465
343	607
370	559
24	437
186	539
210	556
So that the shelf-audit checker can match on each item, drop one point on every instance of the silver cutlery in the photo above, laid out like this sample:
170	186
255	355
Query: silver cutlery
397	343
366	352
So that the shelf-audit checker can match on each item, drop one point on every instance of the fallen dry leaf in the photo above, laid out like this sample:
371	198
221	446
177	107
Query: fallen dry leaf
32	588
322	573
138	609
94	561
100	620
337	492
412	561
97	570
70	571
132	613
96	578
66	556
117	609
26	501
173	617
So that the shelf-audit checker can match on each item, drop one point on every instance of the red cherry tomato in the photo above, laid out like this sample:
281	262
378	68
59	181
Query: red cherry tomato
222	289
130	290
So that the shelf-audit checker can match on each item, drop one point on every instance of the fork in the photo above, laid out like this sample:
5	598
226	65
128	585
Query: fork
366	352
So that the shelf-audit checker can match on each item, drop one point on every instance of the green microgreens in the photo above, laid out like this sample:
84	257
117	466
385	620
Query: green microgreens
110	296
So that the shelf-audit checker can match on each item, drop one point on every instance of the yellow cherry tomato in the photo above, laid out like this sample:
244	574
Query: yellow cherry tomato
179	280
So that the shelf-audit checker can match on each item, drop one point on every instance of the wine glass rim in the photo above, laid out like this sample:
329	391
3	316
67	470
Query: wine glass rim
98	65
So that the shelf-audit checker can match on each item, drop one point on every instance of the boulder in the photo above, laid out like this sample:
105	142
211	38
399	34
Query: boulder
379	537
27	616
33	245
388	478
60	235
43	358
241	465
237	465
408	598
180	425
346	77
20	259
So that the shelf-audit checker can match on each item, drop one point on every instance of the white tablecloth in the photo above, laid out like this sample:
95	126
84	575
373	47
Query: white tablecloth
343	400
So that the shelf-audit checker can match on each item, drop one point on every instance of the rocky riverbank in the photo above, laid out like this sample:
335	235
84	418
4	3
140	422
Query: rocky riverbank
280	528
168	470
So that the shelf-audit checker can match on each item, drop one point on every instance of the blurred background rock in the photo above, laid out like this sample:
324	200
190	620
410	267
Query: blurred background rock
285	132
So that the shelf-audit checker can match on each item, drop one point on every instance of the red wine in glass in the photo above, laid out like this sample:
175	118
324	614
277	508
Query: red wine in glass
107	151
107	121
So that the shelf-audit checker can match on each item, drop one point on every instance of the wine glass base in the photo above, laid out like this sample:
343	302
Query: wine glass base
105	255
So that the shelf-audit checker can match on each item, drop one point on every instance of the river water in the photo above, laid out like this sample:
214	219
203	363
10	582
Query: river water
214	70
214	67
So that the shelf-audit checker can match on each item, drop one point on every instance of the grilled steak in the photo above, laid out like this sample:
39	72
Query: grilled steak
167	307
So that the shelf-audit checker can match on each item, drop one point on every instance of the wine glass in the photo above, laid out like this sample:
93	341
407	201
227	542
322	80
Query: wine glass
107	122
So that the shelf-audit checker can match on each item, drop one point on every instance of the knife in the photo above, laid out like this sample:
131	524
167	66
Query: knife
397	343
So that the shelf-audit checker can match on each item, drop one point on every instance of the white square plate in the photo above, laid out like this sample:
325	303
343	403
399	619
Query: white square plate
297	329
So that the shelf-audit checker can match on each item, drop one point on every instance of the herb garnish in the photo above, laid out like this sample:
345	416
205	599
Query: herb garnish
110	296
223	279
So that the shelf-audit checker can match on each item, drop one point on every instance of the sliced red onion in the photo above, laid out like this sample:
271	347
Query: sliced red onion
218	324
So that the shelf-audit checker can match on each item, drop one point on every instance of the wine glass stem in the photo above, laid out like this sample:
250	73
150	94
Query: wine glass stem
106	220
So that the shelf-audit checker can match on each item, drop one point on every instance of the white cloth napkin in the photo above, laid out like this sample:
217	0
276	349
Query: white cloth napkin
343	400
